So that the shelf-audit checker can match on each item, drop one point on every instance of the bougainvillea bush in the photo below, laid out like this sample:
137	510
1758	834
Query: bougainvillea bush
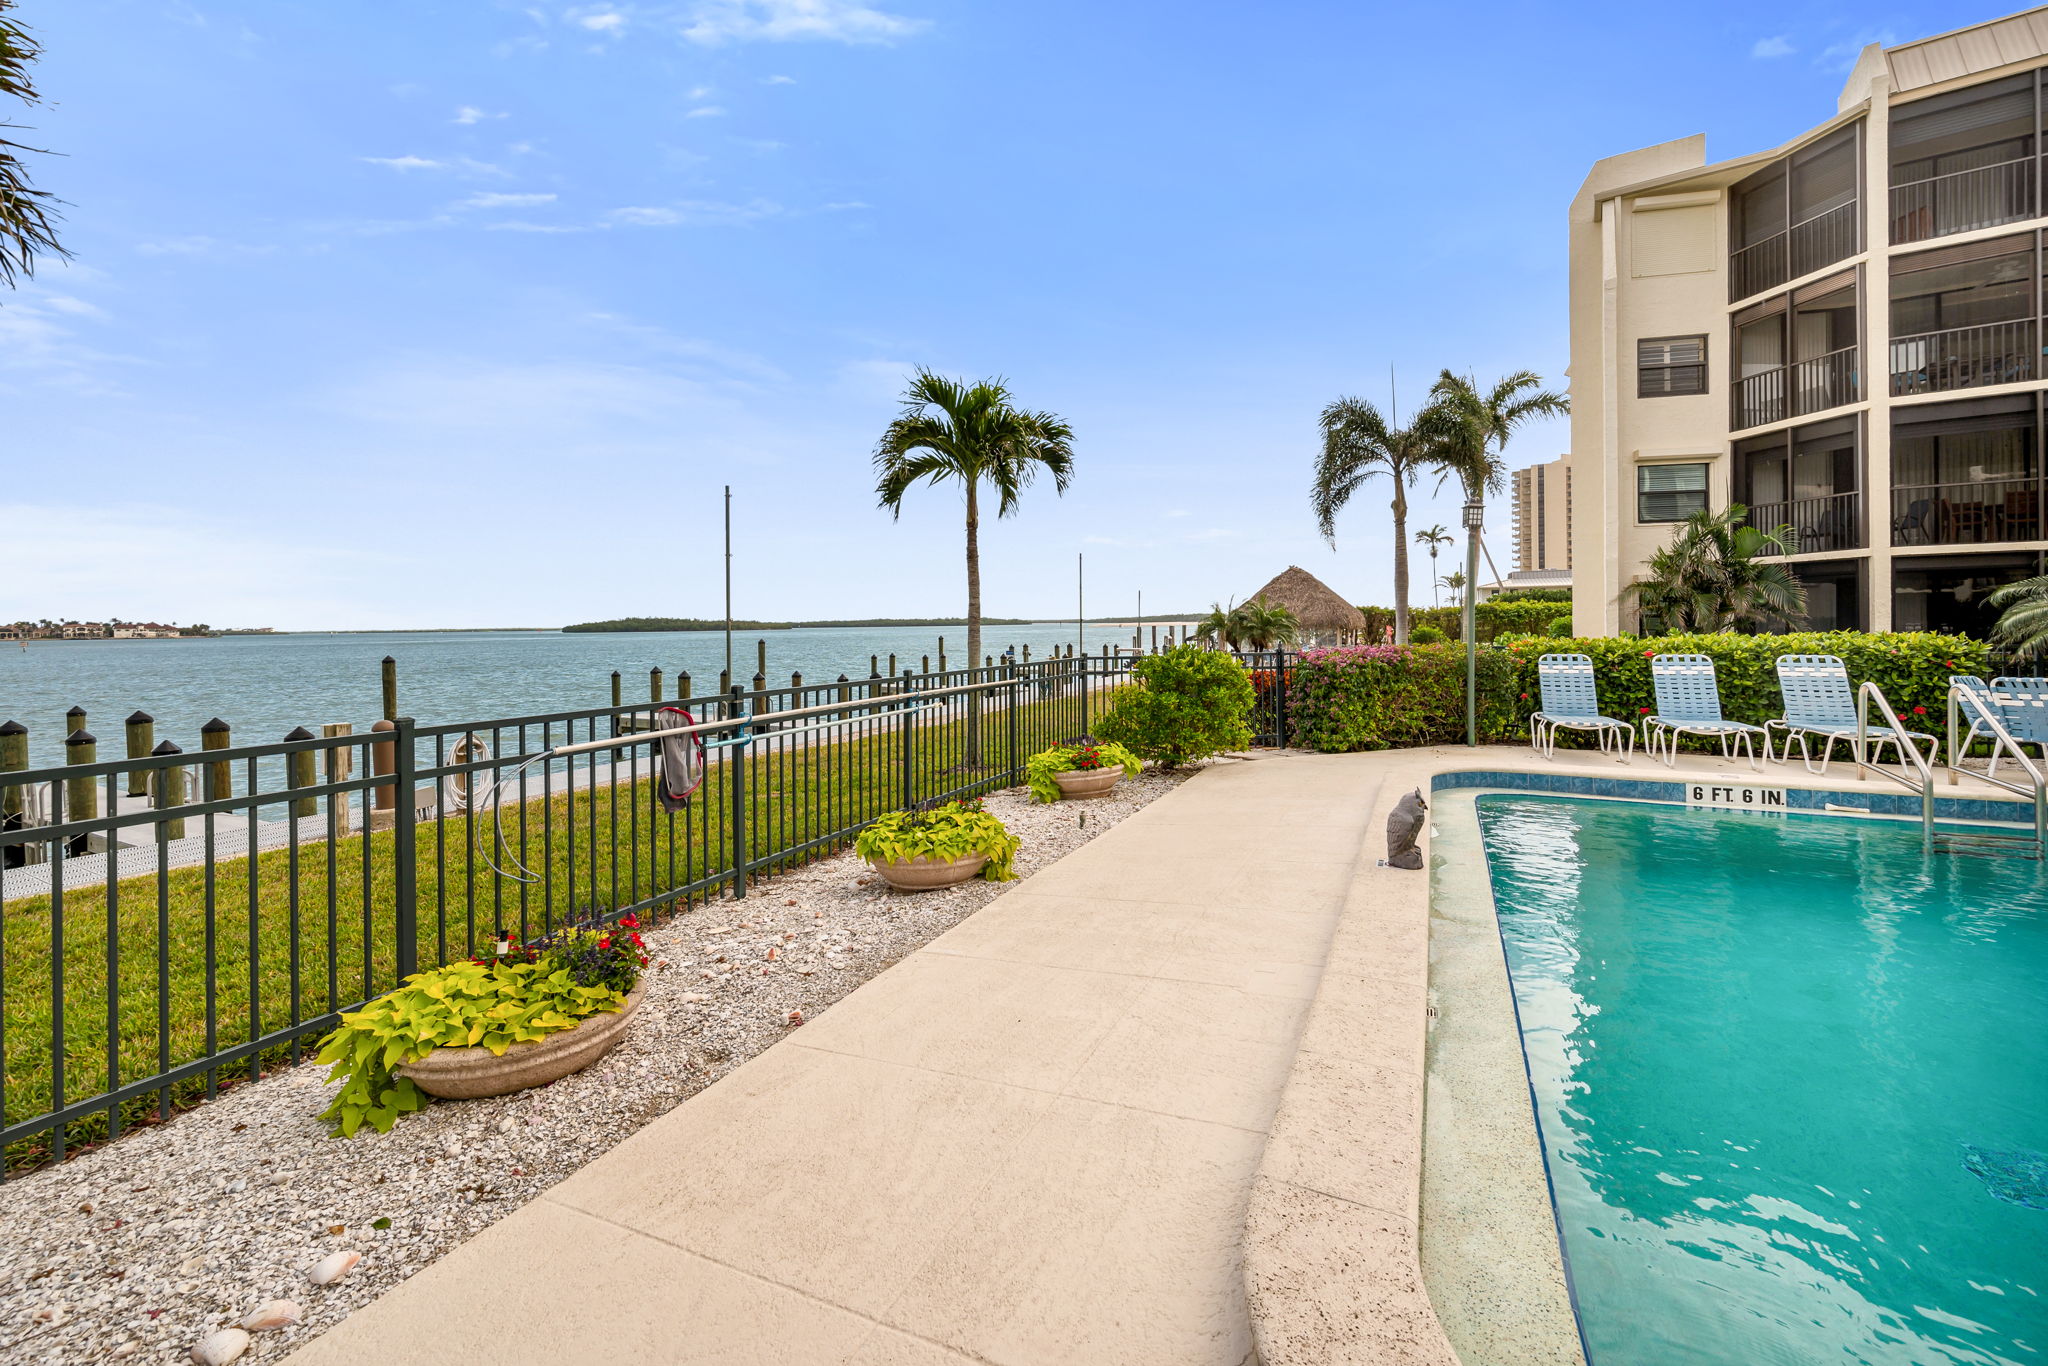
1390	696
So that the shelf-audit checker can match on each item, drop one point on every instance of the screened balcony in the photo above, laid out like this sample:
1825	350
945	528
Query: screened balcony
1966	160
1809	479
1796	355
1965	317
1794	217
1967	473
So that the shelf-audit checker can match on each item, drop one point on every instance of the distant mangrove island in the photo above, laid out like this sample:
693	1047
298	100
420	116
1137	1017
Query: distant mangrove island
701	624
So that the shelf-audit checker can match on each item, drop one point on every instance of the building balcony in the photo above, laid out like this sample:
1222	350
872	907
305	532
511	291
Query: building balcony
1799	250
1965	357
1796	390
1827	522
1963	201
1978	512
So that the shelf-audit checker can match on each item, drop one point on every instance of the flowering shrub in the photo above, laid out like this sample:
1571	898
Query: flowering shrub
941	831
1083	754
1384	696
1185	705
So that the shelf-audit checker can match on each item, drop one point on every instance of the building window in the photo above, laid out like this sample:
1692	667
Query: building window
1671	365
1670	493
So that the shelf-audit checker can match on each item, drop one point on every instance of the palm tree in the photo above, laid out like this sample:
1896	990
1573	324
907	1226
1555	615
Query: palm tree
1266	625
1435	537
2023	625
26	226
1455	581
1219	627
1478	426
951	430
1359	442
1710	577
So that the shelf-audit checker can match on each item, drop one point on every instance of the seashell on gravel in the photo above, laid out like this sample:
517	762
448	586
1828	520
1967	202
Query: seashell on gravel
163	1192
272	1314
218	1349
333	1267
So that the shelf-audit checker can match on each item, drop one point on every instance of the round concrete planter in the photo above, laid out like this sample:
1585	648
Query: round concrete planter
1081	784
472	1073
924	874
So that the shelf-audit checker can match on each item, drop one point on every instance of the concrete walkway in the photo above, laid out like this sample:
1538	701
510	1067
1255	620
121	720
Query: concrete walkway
1030	1142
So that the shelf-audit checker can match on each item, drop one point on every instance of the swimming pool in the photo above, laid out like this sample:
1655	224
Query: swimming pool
1791	1079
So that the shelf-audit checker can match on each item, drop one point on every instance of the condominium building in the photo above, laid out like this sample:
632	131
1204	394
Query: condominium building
1843	334
1543	515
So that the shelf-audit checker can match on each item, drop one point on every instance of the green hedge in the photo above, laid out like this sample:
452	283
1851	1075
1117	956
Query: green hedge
1493	619
1378	697
1385	696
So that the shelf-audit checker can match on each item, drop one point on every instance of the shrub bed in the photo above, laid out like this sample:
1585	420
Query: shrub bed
1493	619
1388	696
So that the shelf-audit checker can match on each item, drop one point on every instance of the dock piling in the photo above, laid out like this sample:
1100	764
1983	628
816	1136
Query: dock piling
220	777
298	772
170	792
141	740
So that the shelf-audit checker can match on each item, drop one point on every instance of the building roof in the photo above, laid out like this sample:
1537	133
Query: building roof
1314	603
2021	37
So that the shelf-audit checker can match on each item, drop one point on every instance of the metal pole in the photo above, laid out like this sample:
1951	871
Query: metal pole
728	580
1080	602
735	768
1475	516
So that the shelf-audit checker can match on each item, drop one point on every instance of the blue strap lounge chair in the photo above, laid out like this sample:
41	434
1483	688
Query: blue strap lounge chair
1689	703
2021	706
1571	701
1820	703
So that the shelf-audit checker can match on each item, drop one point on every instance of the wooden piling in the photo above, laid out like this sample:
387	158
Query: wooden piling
141	740
618	698
220	777
892	666
338	765
13	759
384	763
74	720
654	684
390	689
169	784
927	662
298	772
683	686
81	795
761	657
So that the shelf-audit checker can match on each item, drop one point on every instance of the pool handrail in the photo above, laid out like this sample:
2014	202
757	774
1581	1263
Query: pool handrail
1865	695
1982	702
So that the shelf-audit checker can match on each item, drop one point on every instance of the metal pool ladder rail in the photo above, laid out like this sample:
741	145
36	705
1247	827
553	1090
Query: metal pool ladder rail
1919	779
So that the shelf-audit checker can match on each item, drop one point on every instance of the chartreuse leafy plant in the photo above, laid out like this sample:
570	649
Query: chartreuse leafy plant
1083	755
532	992
941	832
1186	705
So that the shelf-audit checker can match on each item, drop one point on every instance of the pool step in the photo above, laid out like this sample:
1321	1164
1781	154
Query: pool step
1987	846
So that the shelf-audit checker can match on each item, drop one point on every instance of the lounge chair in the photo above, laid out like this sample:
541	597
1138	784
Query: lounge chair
1571	701
1689	703
1820	703
2019	704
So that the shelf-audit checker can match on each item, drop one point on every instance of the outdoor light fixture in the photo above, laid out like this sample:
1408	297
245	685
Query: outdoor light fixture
1475	516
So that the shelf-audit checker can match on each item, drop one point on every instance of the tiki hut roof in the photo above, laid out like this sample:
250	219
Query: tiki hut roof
1314	603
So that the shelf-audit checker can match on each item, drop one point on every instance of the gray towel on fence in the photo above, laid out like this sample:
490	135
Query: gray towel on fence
682	760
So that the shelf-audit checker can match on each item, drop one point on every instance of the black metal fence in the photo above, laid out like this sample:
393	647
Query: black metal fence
172	923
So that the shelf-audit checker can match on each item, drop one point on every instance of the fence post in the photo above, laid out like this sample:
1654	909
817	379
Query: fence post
736	781
1014	693
220	778
170	792
298	772
141	740
1084	689
405	852
904	720
390	688
1280	696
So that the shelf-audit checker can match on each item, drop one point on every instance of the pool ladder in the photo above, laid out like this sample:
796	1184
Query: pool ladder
1919	777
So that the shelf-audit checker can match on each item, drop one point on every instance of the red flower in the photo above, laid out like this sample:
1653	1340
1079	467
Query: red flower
1525	697
630	923
604	943
1919	711
1642	709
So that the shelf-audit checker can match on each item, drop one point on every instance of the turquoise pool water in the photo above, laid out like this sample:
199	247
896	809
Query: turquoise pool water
1792	1081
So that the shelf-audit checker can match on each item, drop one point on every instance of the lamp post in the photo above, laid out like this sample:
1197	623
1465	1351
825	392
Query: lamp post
1475	517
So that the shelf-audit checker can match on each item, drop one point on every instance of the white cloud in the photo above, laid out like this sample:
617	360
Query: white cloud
1767	48
843	205
705	111
505	201
409	163
778	80
701	92
200	245
404	163
1842	56
469	114
78	308
693	213
842	21
519	225
608	21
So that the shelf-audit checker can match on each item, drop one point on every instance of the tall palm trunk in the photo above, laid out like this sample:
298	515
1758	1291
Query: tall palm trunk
1400	564
973	754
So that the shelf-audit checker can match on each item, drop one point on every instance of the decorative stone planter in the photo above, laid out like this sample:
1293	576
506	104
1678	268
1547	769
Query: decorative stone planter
472	1073
924	874
1080	784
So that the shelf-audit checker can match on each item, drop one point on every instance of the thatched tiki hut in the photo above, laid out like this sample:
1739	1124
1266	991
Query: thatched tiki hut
1325	618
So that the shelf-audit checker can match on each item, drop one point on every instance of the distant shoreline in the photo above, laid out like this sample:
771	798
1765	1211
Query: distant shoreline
622	625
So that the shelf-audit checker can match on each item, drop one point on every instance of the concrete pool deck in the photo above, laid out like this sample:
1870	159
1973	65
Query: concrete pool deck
1163	1102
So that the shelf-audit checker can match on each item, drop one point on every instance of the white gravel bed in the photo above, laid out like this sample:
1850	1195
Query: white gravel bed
137	1250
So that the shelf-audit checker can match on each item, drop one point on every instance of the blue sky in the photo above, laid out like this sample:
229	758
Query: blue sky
456	312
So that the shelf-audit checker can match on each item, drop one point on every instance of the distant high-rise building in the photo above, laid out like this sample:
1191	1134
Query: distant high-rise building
1543	515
